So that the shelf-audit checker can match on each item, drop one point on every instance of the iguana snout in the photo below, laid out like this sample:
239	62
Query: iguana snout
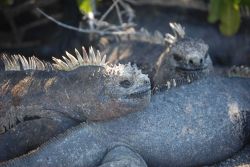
190	55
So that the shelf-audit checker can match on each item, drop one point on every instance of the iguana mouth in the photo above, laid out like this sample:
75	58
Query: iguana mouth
139	93
191	70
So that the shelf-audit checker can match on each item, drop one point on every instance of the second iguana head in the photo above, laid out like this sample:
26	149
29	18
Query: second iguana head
185	60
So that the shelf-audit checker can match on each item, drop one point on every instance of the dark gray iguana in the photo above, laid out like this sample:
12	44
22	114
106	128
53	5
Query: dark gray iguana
192	125
39	100
172	60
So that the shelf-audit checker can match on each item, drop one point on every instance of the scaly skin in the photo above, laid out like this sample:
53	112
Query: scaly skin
49	102
196	124
241	159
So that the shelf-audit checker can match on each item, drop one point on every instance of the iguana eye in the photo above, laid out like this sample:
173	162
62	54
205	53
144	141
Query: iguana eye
125	83
177	57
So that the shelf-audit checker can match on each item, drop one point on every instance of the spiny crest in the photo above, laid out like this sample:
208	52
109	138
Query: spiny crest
157	37
71	62
179	32
142	35
239	71
19	62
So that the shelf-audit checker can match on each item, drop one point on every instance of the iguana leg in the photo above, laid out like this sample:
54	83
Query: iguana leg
122	156
239	71
28	135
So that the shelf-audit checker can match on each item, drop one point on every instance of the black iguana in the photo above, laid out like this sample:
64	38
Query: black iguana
47	99
192	125
172	60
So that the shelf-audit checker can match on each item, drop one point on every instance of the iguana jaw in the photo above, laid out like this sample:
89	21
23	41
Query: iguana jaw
139	93
204	68
191	70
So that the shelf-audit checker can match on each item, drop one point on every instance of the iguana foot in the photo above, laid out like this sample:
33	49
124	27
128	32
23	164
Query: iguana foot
239	71
122	156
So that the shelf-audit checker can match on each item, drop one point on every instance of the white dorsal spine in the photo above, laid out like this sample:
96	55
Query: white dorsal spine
157	37
67	63
239	71
179	32
70	62
19	63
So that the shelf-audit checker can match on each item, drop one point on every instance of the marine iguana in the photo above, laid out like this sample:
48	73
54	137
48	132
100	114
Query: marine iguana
47	99
172	60
12	136
192	125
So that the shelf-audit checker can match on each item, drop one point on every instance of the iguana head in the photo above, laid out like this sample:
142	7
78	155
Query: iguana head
185	59
126	88
189	55
107	90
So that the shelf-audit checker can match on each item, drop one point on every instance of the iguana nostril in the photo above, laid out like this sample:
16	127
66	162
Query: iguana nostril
201	61
146	82
191	62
